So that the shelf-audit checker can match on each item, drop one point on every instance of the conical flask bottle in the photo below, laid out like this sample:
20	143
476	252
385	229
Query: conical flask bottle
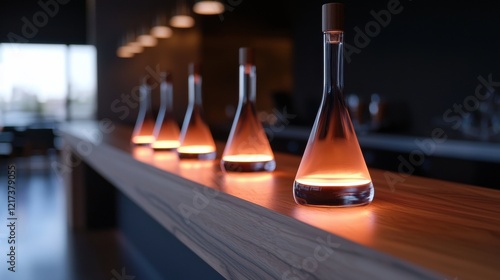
247	149
145	123
166	130
196	139
333	171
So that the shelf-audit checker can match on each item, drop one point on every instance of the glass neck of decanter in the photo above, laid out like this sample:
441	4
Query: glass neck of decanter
145	98
247	84
195	90
166	96
333	55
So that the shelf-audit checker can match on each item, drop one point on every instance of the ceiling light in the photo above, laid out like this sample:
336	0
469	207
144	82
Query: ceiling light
132	45
182	17
208	7
146	40
182	21
135	47
161	31
160	28
124	52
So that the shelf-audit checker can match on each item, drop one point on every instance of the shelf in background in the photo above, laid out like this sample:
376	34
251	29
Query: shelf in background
449	148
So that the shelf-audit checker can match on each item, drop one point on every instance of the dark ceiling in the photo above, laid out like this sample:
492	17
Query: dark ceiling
44	21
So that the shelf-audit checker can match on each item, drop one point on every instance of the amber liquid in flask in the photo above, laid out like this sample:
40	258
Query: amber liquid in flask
166	130
333	172
145	123
196	139
247	149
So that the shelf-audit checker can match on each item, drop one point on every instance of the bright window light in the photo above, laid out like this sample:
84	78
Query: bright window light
37	79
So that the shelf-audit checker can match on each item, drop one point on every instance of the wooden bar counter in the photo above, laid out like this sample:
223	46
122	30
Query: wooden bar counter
247	226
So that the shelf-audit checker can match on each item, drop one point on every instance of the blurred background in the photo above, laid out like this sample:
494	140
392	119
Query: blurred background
412	69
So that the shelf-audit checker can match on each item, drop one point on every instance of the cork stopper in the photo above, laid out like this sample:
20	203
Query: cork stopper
247	56
333	17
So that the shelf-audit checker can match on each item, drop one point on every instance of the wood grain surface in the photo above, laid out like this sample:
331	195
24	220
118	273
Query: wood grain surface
247	226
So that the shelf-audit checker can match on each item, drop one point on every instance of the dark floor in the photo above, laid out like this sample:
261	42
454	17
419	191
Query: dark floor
45	248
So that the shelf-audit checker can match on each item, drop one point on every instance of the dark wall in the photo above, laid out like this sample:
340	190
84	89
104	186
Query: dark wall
119	78
425	60
44	21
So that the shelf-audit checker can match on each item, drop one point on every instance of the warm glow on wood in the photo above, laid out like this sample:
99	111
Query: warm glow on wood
163	156
196	149
198	165
143	139
247	158
165	144
256	187
251	178
142	152
358	223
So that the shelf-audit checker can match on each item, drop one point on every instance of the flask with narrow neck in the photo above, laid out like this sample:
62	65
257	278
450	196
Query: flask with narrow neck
332	171
166	130
247	149
196	139
145	123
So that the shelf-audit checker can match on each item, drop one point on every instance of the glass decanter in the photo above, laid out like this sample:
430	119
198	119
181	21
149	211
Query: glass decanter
332	171
145	123
166	130
196	139
247	149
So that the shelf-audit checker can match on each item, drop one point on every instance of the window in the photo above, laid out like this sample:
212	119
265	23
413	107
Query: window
42	82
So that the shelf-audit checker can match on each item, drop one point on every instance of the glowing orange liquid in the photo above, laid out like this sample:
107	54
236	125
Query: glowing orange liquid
197	152
165	145
143	139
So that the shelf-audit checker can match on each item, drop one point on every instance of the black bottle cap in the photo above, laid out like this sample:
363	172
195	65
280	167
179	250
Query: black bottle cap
247	56
333	17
